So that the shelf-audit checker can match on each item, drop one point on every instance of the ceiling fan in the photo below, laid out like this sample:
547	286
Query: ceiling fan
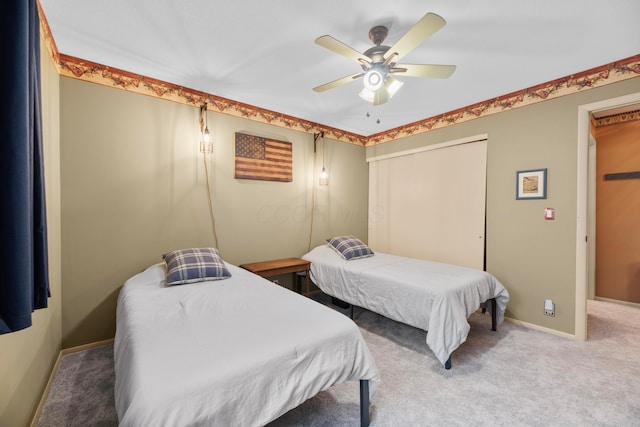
380	62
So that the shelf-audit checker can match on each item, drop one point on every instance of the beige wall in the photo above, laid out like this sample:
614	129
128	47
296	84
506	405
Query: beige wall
535	259
27	356
134	187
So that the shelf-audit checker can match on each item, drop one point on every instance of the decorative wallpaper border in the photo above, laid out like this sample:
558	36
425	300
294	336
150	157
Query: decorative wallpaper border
600	76
615	119
69	66
109	76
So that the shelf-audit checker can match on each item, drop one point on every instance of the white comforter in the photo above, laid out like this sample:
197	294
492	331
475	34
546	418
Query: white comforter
234	352
432	296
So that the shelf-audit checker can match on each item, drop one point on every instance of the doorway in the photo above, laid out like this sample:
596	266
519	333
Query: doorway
617	205
585	234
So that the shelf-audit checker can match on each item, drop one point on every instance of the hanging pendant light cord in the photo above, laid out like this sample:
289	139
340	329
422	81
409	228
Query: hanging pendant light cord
323	154
211	215
313	194
204	128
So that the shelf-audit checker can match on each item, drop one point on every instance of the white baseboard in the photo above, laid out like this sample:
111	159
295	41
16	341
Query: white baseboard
86	346
541	328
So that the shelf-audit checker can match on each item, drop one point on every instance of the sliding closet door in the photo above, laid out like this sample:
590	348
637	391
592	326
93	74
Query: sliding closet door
430	204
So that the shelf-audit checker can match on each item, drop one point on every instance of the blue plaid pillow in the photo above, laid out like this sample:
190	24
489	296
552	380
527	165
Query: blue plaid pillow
194	265
350	247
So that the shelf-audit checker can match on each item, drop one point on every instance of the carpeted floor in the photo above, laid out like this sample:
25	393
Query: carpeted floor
513	377
82	391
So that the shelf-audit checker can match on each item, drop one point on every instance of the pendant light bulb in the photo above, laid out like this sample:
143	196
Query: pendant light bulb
324	177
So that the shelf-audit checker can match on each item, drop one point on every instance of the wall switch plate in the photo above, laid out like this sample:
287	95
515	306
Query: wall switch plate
549	308
549	214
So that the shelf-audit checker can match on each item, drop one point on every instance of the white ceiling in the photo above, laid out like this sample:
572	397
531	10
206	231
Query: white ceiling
263	52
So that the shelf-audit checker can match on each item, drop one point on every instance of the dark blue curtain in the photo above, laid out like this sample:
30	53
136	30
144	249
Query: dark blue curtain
24	275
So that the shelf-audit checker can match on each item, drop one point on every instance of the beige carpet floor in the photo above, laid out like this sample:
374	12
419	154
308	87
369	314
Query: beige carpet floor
513	377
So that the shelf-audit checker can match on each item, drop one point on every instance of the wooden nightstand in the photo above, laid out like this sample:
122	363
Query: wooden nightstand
281	266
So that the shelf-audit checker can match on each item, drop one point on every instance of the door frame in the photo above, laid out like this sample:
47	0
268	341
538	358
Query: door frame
582	212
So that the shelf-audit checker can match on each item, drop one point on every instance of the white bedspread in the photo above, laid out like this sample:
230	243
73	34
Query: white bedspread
432	296
234	352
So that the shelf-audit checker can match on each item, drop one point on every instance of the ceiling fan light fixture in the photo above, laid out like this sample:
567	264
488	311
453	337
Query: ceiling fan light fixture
373	79
380	61
367	95
393	86
381	96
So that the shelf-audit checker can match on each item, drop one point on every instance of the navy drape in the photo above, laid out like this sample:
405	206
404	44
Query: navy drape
24	275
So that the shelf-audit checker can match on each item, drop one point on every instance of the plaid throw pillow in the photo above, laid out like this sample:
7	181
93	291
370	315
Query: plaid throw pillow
350	247
194	265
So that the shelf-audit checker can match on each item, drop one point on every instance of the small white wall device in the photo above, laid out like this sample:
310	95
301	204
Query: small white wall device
549	308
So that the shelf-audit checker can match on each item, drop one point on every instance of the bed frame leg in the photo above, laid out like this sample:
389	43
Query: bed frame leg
447	364
494	316
364	403
343	304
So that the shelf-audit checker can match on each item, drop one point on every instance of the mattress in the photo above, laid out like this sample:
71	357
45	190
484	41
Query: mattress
432	296
235	352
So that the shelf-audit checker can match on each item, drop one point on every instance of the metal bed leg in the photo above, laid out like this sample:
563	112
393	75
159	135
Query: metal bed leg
494	316
494	307
494	321
343	304
364	403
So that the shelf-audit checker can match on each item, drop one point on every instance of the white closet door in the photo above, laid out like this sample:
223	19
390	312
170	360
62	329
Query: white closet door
431	204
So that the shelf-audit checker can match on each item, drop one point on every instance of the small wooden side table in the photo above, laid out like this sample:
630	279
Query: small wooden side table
281	266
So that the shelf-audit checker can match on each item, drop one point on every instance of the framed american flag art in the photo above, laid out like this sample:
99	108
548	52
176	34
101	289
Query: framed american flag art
262	158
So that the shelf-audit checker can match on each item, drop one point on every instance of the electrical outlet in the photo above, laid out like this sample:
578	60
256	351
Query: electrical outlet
549	308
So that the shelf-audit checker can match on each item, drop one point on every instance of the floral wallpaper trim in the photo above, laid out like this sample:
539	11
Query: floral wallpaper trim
611	73
101	74
108	76
617	118
45	34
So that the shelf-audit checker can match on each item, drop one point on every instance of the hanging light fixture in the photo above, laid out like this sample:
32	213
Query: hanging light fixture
392	86
324	176
206	145
378	87
373	79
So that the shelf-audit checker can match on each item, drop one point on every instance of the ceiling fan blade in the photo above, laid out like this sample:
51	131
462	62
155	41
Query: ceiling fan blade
424	70
423	29
340	48
338	82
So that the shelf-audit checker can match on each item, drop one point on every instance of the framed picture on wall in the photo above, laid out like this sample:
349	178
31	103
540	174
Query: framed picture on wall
531	184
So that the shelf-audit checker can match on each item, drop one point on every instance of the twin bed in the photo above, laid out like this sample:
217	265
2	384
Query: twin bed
202	342
235	352
431	296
